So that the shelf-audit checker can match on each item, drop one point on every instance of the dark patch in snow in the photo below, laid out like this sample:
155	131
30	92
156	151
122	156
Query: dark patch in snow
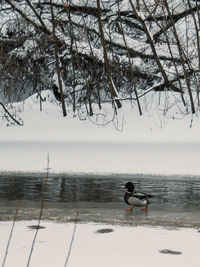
104	231
36	227
168	251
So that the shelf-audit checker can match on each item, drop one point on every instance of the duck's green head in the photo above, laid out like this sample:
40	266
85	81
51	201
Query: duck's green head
129	186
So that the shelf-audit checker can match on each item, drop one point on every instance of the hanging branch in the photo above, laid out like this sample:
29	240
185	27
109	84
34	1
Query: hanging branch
10	115
153	48
181	57
36	14
168	23
22	13
170	50
196	28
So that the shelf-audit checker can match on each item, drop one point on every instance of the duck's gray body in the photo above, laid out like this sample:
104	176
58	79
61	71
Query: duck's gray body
137	199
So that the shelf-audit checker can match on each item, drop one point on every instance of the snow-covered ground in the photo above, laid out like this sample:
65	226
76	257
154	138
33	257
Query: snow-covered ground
49	125
122	247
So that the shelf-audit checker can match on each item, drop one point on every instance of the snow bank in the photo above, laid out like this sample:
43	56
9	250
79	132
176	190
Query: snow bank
49	125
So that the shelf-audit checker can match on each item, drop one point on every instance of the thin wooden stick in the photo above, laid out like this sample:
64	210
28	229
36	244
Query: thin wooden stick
11	232
41	211
72	239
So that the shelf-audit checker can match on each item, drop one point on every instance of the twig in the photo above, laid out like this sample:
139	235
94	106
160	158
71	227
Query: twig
72	240
41	211
10	115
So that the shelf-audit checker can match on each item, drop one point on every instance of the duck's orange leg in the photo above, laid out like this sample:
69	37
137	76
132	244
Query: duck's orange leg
145	209
131	208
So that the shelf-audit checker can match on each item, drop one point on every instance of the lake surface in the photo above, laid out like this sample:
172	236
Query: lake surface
99	198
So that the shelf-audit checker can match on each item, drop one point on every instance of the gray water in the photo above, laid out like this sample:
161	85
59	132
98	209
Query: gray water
99	198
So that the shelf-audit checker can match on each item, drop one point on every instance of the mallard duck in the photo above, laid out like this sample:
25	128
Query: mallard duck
135	198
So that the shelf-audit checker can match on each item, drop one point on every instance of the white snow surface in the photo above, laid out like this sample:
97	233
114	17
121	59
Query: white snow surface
123	247
143	144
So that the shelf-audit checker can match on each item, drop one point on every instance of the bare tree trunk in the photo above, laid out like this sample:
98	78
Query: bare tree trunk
107	65
57	62
130	64
66	5
138	5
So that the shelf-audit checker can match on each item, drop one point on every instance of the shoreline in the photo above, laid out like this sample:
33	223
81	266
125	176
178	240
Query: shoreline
100	175
137	221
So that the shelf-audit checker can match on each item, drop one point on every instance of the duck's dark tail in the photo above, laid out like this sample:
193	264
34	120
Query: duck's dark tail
149	195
